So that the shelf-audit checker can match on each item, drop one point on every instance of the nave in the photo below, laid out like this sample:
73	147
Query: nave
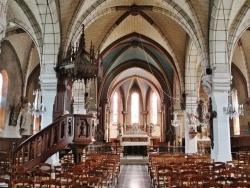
103	170
134	176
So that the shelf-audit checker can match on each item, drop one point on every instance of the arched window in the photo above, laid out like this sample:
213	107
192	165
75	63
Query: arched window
115	107
135	108
154	108
236	120
3	96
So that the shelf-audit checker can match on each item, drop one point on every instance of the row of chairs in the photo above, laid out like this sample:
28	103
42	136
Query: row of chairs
195	171
5	160
243	158
97	171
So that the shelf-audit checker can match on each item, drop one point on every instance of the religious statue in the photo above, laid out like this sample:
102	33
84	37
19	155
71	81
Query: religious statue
150	129
82	129
201	110
119	128
135	128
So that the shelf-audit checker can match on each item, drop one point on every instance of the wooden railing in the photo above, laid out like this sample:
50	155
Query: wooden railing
68	129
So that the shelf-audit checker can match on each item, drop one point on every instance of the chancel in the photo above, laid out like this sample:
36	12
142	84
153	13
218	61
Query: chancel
135	140
102	85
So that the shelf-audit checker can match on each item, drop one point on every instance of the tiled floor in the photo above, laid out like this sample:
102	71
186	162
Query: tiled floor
134	176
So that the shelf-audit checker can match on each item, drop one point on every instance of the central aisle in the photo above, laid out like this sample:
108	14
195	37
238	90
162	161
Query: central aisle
134	176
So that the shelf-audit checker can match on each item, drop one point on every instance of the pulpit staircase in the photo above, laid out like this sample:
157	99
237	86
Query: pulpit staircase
74	131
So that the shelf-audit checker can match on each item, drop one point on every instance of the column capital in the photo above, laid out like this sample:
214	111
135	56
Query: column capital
48	81
221	78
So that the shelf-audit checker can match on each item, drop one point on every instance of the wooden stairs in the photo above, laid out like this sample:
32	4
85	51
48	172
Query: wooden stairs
75	131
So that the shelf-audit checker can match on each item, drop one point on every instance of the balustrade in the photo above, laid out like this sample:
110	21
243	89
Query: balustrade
69	129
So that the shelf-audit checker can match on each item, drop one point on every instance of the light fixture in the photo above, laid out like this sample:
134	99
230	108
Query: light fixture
38	108
175	122
233	109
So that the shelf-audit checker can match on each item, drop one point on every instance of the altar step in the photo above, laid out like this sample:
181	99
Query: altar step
134	160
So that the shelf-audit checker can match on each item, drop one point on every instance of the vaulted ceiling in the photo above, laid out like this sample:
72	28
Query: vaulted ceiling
139	41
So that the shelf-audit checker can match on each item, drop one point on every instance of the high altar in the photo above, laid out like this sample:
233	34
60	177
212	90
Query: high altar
135	139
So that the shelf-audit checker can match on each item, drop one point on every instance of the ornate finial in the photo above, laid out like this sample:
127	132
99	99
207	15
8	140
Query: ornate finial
69	52
82	40
91	52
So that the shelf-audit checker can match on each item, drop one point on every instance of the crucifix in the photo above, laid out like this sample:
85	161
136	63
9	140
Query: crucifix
210	116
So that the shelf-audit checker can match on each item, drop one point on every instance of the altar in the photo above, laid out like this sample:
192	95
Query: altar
135	142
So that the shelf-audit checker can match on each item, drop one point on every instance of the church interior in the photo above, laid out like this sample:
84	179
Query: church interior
160	80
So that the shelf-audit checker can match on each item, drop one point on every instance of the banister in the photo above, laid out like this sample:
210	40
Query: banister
67	129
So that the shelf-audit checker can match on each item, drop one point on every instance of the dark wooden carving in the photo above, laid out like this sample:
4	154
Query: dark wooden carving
210	116
53	138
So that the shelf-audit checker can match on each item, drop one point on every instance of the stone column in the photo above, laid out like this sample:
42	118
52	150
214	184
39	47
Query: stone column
125	113
221	128
145	113
107	123
190	140
181	128
163	120
48	83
